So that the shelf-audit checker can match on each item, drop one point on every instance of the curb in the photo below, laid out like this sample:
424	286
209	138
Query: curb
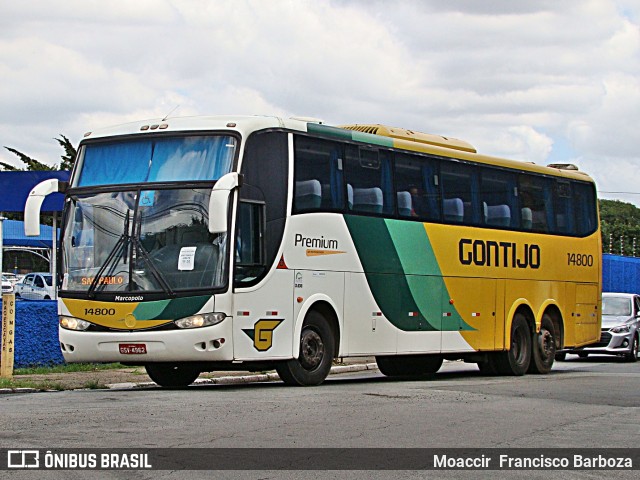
227	380
254	378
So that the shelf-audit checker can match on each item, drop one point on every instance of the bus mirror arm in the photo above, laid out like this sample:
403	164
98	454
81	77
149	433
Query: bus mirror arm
219	201
34	204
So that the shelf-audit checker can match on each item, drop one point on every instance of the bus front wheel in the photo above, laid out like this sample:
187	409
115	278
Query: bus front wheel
516	360
544	347
172	375
316	354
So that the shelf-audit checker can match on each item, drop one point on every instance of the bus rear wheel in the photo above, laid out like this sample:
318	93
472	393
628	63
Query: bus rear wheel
172	375
543	347
408	365
516	360
316	354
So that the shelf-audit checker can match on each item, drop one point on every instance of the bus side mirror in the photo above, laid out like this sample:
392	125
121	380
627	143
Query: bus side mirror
219	201
34	204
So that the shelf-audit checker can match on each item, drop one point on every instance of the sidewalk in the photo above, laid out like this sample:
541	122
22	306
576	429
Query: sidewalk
136	377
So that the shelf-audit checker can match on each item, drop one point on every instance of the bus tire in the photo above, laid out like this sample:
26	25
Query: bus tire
516	360
561	357
543	346
408	365
316	354
172	375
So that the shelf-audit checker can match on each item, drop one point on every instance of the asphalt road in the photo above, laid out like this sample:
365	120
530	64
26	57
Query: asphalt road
583	403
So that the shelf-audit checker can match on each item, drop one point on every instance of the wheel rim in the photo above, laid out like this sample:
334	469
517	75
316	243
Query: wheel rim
311	349
546	343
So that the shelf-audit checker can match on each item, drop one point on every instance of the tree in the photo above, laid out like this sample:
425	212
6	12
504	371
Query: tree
620	224
68	158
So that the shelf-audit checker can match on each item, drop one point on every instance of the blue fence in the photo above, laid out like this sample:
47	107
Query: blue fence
620	274
36	334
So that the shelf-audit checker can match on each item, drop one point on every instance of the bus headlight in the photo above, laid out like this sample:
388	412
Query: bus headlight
72	323
200	320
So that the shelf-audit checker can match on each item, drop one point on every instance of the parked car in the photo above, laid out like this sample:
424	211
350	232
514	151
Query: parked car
620	333
12	277
35	286
7	286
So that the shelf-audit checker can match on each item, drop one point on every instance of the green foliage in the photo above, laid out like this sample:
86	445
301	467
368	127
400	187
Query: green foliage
68	367
619	219
68	158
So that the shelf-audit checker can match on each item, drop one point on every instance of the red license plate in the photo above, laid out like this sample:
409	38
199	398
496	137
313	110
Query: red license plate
133	348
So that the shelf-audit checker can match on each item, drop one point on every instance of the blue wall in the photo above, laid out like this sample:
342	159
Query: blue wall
620	274
36	334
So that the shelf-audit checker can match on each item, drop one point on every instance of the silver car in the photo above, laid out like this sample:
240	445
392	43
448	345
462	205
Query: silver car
35	286
620	328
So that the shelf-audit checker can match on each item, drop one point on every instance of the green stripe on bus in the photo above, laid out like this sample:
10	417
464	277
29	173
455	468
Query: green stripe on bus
403	273
150	310
423	273
371	138
183	307
344	134
384	273
331	131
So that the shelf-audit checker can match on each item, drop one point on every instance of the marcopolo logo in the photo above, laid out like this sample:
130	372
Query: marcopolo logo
498	254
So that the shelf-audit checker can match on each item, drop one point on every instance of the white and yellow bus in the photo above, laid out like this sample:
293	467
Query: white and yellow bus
216	243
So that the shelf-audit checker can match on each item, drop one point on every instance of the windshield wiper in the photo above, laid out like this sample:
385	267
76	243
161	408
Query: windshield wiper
157	274
118	249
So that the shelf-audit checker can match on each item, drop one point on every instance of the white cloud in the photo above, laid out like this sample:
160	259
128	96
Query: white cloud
532	80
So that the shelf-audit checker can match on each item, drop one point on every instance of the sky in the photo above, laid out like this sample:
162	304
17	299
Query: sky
545	81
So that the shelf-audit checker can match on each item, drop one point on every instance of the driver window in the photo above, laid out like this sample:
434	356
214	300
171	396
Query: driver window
249	245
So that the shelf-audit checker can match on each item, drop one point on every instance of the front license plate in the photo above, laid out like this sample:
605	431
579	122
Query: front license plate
133	348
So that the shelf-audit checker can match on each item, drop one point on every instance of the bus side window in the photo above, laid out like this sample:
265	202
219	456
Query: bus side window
368	172
586	219
460	193
497	194
536	195
416	187
563	207
318	175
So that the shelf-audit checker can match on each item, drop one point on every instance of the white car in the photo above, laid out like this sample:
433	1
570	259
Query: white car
36	286
7	286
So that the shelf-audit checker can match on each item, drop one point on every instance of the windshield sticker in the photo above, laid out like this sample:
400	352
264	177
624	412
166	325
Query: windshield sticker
187	258
147	198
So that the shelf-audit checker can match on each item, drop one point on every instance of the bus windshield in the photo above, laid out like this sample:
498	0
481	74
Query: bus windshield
156	159
141	240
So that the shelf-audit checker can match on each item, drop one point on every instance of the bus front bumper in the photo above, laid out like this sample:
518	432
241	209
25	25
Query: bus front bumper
206	344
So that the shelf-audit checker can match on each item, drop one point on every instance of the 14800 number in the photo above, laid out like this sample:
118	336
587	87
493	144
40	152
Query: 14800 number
579	260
